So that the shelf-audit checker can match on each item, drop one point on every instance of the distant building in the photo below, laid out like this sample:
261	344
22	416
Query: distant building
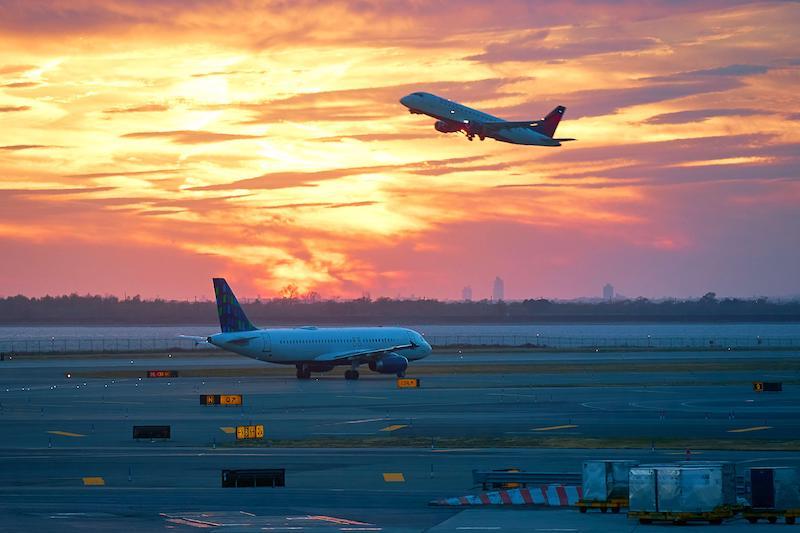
498	290
466	294
608	292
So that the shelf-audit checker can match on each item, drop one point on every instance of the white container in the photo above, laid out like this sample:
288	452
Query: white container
681	489
604	480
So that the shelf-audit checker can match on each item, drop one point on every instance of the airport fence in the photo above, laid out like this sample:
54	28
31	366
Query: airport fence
153	345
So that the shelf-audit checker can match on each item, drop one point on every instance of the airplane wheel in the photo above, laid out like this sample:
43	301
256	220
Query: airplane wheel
351	374
401	374
303	373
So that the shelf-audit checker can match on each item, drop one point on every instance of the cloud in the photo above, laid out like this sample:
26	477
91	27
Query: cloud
726	71
146	108
352	204
13	108
699	115
370	103
20	84
16	147
534	48
14	69
592	103
283	180
125	173
190	136
376	137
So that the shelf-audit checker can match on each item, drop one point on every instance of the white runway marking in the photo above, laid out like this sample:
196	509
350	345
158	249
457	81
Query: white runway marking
364	420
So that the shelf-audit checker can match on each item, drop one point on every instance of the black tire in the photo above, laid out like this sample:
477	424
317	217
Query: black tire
752	519
772	519
615	509
603	510
790	520
351	374
715	522
645	521
583	509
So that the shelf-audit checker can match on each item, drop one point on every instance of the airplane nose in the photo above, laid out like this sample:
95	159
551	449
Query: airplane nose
404	101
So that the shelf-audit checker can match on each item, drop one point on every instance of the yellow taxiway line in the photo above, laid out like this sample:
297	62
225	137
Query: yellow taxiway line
747	430
394	427
66	434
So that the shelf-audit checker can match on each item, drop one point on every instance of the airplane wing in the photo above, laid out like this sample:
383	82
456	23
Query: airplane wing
363	353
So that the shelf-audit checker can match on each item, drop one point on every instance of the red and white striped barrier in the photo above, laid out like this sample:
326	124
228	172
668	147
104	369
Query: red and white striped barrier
552	495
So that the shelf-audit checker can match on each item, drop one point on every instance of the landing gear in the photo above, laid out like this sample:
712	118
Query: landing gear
351	374
303	372
401	374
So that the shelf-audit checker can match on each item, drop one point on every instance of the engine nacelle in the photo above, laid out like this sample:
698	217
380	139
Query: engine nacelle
447	127
391	364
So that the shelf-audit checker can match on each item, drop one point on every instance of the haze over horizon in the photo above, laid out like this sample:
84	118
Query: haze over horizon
148	146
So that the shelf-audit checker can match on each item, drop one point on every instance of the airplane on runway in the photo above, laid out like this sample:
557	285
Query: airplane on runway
454	117
311	349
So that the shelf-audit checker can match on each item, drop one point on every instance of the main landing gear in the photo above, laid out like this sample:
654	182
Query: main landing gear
351	374
303	372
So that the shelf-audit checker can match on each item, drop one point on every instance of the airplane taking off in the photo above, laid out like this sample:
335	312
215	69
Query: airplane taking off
453	117
311	349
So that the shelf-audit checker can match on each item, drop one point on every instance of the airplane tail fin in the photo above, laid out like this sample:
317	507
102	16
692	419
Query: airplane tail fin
231	315
548	124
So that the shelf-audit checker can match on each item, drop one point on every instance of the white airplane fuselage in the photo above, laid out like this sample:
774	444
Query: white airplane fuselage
292	346
458	117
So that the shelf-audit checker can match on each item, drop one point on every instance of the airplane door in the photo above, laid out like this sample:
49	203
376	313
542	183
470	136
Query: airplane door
267	345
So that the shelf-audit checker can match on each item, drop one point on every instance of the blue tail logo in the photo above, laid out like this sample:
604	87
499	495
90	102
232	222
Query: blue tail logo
231	315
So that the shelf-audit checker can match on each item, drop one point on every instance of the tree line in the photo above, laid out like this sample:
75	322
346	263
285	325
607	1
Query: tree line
90	309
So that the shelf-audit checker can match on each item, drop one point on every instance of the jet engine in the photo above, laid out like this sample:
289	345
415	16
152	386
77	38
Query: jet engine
391	364
447	127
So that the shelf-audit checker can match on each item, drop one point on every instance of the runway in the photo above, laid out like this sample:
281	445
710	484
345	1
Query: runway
59	431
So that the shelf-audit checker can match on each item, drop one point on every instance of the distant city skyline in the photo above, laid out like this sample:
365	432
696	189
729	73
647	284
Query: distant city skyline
148	150
498	290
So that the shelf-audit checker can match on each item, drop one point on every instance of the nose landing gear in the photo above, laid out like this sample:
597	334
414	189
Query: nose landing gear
351	374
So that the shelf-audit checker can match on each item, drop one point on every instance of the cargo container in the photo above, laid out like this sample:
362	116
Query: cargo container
681	492
774	492
605	485
606	480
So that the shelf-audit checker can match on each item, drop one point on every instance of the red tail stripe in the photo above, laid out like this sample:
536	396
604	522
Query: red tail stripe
562	495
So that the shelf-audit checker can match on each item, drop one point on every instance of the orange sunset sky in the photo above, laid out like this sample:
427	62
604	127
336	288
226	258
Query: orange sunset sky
147	146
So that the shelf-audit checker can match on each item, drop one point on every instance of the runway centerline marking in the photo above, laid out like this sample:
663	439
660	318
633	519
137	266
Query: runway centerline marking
553	428
228	429
394	477
94	481
394	427
747	430
66	434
